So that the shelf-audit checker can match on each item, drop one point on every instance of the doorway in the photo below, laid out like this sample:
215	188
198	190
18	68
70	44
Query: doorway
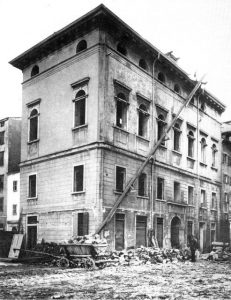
119	231
141	231
175	232
160	231
202	236
31	232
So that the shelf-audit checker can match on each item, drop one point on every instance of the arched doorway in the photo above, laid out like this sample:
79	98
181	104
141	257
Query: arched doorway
175	232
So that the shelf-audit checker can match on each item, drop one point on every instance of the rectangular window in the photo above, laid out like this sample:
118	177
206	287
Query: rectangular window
142	185
32	186
14	210
189	228
1	183
160	231
15	186
176	191
203	200
160	188
1	158
190	195
1	204
213	232
229	161
121	113
120	178
214	201
78	178
2	134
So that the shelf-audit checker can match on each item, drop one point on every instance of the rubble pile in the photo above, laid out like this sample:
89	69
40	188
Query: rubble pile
219	253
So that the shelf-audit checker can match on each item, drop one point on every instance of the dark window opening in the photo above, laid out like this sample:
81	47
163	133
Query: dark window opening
176	191
119	231
2	124
161	77
82	45
121	111
78	178
2	134
34	71
1	183
141	231
176	137
121	48
142	181
15	186
1	158
143	64
229	161
1	204
214	201
80	108
33	125
214	151
190	195
189	229
83	224
143	121
202	107
160	231
160	127
160	188
32	220
203	150
120	178
190	144
203	199
32	186
177	88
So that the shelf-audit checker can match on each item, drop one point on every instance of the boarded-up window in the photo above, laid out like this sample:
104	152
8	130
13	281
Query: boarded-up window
141	231
190	195
120	178
2	134
83	224
1	158
160	188
32	186
1	204
78	178
1	183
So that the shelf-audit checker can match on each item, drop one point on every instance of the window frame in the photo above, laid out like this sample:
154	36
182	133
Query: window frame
146	116
163	184
203	204
29	124
14	210
73	179
15	185
36	187
191	187
214	201
178	199
76	101
203	150
125	178
191	139
145	194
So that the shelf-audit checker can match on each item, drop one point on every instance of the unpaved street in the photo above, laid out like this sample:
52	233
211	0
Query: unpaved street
202	280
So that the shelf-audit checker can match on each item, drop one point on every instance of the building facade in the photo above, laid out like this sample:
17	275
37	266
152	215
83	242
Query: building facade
96	97
10	145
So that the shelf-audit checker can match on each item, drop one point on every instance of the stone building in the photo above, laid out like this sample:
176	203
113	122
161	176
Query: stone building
10	141
96	97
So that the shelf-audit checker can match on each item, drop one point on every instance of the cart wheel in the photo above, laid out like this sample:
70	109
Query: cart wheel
89	263
63	262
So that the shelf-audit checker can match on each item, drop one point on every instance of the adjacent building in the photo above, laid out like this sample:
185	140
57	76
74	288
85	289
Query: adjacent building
96	97
10	144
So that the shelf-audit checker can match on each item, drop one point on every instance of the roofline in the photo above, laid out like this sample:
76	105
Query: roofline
102	8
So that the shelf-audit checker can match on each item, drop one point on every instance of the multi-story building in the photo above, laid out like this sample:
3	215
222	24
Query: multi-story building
96	97
10	141
226	182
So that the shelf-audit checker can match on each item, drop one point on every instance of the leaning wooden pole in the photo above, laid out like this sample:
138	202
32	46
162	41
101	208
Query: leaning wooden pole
150	156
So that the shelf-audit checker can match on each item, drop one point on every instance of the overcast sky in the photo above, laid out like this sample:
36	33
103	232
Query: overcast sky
198	31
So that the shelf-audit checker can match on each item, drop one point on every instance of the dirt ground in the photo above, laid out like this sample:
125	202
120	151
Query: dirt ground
200	280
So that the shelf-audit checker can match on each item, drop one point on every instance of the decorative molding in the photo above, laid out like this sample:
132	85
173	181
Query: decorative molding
81	82
34	102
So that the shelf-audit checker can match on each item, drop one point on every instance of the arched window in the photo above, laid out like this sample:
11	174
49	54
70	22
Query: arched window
161	77
160	127
190	144
80	108
34	71
176	137
203	150
82	45
177	88
143	64
33	125
121	48
143	120
214	152
142	185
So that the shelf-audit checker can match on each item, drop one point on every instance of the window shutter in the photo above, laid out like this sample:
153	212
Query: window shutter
85	223
75	224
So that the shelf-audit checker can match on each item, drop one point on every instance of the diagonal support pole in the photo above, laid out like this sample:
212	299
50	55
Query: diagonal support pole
150	156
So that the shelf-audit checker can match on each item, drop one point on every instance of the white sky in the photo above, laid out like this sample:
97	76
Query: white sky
198	31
